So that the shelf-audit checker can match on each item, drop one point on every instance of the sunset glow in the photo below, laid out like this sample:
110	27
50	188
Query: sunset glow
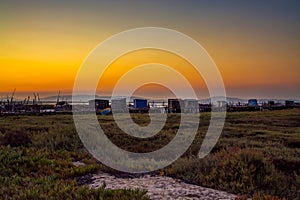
255	44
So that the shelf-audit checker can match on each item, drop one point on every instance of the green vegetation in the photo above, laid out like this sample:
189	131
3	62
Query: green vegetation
258	155
36	156
257	152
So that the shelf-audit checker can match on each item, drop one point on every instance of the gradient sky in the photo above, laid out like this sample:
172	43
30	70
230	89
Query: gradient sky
255	44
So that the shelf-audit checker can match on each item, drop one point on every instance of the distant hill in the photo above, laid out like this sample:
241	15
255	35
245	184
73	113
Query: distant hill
86	98
83	98
228	99
5	99
235	100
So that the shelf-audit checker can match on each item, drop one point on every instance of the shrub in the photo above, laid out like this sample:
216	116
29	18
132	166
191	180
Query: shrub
235	170
58	138
16	138
259	197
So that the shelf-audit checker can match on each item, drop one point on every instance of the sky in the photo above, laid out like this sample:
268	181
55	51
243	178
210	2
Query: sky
255	44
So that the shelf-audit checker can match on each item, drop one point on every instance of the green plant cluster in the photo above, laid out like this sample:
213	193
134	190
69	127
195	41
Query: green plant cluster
36	155
254	155
239	171
28	173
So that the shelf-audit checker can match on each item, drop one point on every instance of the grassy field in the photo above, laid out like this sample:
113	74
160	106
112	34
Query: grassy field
258	154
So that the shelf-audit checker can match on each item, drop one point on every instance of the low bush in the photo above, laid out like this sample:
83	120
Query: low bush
259	197
16	138
235	170
27	173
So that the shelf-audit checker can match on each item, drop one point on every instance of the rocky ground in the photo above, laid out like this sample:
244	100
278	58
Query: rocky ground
159	187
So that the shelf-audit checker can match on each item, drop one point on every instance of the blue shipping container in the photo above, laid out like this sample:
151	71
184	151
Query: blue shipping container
140	103
252	103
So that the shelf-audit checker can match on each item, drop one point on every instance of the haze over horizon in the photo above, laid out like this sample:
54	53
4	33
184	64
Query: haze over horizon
255	44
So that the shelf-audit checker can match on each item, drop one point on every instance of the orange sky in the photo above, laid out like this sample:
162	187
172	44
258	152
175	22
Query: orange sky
127	62
256	47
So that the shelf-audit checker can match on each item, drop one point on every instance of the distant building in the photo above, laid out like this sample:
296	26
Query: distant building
59	106
205	107
174	105
289	103
99	104
190	106
271	103
119	105
252	103
221	104
140	103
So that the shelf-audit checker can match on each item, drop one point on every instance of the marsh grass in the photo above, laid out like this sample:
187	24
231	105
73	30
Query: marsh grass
258	155
36	156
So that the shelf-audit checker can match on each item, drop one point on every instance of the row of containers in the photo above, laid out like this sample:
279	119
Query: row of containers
103	106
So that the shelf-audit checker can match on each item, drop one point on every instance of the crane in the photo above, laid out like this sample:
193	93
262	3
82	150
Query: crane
12	96
39	100
57	101
28	100
34	100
